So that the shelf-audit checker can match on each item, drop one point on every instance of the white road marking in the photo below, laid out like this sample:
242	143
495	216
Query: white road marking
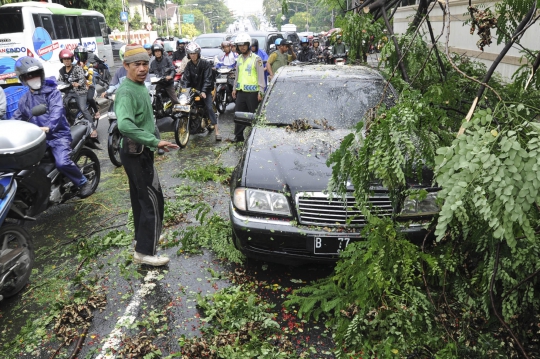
112	344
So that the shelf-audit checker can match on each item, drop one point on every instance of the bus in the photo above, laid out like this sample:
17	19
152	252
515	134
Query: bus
42	30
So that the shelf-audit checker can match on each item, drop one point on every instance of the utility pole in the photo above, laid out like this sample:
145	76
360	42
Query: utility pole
166	19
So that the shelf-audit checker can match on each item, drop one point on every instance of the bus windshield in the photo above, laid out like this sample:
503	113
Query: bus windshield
10	22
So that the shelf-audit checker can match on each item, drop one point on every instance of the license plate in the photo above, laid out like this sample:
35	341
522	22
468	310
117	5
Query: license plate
182	108
12	81
330	245
221	81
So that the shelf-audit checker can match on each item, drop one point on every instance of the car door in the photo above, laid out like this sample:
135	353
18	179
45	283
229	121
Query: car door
271	39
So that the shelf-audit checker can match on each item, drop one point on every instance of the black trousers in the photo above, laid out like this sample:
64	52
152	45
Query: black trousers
170	91
245	102
147	200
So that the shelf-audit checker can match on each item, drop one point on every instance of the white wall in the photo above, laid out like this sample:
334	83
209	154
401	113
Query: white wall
462	42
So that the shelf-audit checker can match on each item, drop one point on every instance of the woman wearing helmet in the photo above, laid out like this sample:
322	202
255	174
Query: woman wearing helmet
249	84
198	75
73	74
305	54
53	123
82	56
163	67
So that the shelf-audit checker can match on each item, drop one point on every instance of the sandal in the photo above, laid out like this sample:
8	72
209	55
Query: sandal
218	137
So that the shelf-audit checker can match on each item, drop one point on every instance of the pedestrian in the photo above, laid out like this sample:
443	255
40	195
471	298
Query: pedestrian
249	84
53	122
3	104
136	124
282	57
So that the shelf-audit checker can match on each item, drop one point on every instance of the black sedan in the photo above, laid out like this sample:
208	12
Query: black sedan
279	209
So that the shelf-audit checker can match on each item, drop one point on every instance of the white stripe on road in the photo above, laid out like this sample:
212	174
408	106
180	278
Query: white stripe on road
112	344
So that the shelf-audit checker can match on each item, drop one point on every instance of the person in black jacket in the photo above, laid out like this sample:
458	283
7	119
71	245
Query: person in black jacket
163	67
180	52
198	75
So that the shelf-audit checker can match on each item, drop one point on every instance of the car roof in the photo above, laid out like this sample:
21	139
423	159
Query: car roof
324	72
213	34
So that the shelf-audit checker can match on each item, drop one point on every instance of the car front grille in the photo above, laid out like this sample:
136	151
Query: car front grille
316	208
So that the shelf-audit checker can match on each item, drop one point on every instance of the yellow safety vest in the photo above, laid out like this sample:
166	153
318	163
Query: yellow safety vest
248	80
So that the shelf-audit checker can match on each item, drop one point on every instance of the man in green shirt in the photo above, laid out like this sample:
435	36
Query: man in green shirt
136	124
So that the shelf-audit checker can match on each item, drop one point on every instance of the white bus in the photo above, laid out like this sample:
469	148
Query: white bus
42	30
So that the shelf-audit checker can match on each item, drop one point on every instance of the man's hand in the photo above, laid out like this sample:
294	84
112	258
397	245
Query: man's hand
168	78
234	94
203	95
259	97
45	129
166	146
104	94
75	84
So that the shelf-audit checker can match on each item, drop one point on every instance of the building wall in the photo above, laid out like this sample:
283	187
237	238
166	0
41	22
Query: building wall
462	42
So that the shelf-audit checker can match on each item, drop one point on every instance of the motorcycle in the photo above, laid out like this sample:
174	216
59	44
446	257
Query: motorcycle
192	116
114	137
101	67
224	88
16	247
73	114
177	75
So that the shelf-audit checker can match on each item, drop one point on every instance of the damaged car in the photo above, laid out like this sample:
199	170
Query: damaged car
280	210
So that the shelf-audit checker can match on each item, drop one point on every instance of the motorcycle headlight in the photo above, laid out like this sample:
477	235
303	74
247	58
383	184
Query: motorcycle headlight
255	200
415	207
183	99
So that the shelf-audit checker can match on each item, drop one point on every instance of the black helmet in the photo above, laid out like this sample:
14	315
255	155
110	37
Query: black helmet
255	43
157	47
81	53
29	65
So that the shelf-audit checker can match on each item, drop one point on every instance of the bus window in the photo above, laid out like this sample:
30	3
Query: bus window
89	21
73	24
82	23
60	27
104	31
37	20
47	23
11	21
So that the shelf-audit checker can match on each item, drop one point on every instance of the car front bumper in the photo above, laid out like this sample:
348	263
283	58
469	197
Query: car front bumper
283	241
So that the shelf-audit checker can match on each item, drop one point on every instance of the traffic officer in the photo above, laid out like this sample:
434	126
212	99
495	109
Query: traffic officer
249	84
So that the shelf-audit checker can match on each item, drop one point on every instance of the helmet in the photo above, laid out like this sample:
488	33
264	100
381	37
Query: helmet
243	39
26	65
338	37
310	37
193	48
255	42
225	44
304	40
316	40
123	50
180	42
158	42
157	47
65	54
278	41
186	41
81	53
146	47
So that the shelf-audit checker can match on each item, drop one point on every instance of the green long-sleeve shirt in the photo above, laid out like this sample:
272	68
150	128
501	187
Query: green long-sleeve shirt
134	113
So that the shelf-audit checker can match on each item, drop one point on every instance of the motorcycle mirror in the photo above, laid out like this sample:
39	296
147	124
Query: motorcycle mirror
39	110
244	118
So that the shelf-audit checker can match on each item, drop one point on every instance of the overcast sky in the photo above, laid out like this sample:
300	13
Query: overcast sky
242	7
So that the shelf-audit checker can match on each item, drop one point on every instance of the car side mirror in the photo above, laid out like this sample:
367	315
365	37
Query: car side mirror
244	118
108	30
39	110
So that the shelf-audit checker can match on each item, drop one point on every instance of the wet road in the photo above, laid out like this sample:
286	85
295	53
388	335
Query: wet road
134	294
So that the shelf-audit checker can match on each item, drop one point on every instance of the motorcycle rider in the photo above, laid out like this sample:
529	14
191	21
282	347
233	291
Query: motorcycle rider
305	54
82	55
198	74
262	54
53	123
73	74
249	83
180	52
281	57
162	66
339	47
148	48
317	49
228	58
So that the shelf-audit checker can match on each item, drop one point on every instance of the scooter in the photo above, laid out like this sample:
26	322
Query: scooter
340	59
224	88
73	114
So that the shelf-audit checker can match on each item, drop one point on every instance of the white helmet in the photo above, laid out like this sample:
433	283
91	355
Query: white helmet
243	39
193	48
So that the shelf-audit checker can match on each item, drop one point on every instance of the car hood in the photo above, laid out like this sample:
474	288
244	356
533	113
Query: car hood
278	159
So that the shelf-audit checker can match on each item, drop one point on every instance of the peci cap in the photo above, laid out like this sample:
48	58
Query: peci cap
135	52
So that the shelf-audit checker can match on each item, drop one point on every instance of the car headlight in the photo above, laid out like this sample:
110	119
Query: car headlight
183	100
255	200
414	207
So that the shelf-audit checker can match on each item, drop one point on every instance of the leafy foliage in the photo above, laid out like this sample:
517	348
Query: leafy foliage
474	291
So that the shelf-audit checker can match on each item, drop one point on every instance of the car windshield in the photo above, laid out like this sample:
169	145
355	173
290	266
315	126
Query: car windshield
260	39
208	42
341	102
